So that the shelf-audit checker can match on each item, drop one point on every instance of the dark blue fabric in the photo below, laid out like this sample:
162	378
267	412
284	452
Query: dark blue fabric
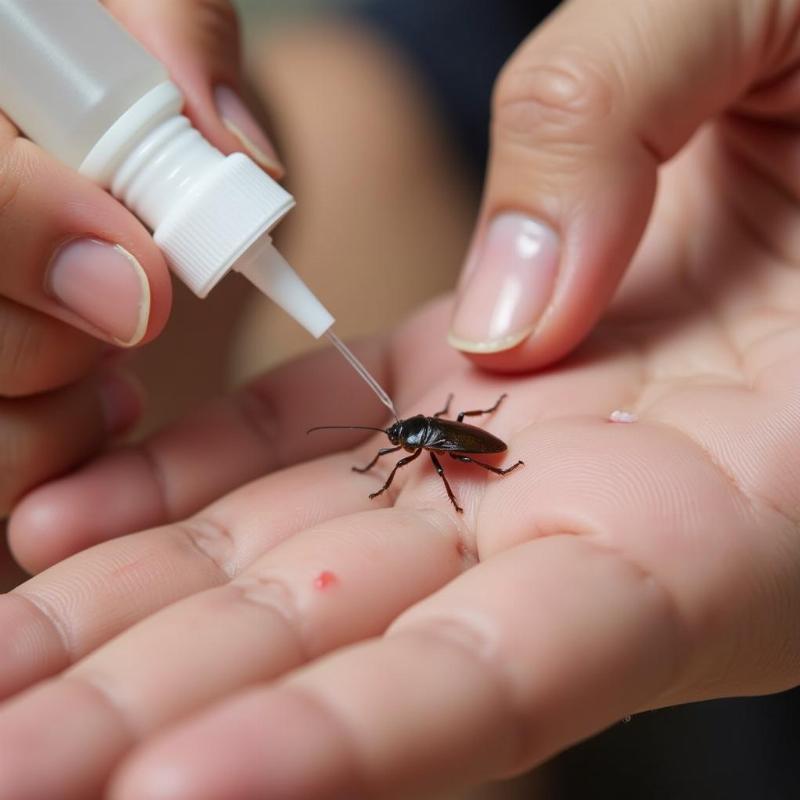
459	47
739	749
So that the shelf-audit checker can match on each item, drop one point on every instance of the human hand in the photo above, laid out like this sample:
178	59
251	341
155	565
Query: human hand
239	653
80	271
585	114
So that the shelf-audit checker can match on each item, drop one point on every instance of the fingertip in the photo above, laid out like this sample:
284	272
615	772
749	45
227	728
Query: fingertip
215	106
30	529
154	778
167	768
201	49
534	294
140	246
507	362
510	281
247	131
86	260
114	495
534	351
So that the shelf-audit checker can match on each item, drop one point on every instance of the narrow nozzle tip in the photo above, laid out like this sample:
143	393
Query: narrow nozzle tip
365	374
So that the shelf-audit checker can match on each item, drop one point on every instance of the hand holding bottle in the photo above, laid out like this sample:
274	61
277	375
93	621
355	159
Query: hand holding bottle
82	273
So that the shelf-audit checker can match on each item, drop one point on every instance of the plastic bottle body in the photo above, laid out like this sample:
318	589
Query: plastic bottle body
65	95
76	83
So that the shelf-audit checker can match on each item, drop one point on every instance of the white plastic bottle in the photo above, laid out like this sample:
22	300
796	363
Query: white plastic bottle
75	82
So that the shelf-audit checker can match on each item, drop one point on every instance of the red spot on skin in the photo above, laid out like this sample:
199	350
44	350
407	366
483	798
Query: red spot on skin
324	580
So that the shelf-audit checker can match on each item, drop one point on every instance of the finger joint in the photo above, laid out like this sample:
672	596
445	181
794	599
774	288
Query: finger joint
562	101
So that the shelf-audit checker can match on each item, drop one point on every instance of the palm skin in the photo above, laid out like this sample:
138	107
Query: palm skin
624	567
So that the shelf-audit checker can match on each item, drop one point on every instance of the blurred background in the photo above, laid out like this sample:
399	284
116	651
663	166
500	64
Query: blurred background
380	110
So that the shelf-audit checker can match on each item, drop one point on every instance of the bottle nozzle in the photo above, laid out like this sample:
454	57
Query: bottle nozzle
269	271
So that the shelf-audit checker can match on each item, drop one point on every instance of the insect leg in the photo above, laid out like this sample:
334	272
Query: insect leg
382	452
446	408
482	411
401	463
496	470
440	469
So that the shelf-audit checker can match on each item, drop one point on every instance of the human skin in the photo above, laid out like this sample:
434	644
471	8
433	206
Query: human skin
82	277
626	566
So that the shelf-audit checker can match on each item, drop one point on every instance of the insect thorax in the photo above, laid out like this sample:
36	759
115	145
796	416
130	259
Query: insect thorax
411	433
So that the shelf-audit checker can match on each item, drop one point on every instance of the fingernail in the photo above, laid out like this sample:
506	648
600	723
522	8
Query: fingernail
121	400
241	123
510	285
104	285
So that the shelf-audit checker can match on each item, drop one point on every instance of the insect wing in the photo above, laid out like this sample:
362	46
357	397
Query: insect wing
457	437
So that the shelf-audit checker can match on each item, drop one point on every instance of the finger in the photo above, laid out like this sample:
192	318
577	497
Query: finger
50	433
39	353
66	612
199	44
345	580
71	252
178	471
518	657
584	114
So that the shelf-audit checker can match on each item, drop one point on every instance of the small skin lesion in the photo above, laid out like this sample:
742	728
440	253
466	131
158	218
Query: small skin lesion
325	580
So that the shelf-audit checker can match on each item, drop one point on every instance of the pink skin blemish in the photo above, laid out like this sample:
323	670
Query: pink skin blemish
325	580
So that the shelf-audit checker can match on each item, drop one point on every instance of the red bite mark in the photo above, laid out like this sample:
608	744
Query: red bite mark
324	580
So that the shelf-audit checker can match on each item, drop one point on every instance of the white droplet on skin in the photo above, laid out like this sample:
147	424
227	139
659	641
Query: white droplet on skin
618	415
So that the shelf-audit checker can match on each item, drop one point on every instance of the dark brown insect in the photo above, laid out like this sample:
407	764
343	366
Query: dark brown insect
436	435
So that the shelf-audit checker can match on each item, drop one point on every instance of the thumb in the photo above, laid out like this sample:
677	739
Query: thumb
198	42
583	115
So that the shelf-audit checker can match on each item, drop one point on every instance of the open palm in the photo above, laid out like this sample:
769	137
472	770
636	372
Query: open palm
295	639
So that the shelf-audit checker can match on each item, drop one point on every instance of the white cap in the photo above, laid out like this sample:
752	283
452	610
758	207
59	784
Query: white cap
209	213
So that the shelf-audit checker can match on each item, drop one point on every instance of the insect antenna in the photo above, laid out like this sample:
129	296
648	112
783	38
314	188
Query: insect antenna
348	427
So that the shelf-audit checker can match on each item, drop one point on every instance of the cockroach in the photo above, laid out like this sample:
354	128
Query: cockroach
436	435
